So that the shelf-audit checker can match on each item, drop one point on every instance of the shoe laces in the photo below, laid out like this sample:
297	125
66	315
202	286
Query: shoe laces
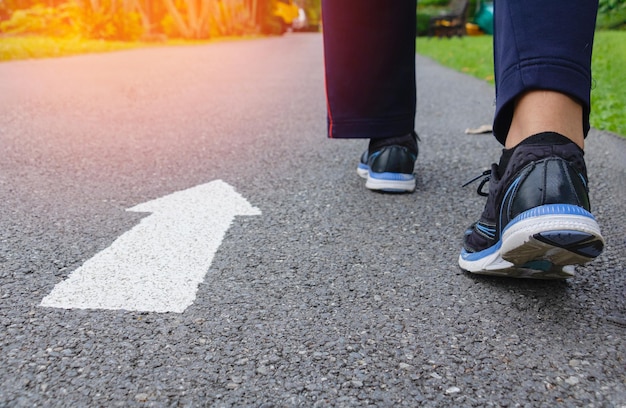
485	176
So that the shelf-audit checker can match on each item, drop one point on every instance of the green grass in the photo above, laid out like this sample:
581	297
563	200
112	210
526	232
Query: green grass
17	48
32	47
474	56
608	93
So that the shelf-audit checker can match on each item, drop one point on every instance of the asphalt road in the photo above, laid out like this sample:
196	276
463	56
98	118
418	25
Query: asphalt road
332	296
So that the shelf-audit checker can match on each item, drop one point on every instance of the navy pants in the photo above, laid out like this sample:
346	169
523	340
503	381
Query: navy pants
369	54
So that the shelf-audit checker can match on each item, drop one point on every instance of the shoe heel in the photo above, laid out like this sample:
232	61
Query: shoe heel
558	234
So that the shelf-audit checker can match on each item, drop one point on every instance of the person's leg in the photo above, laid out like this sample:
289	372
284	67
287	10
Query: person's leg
545	46
369	55
542	110
537	220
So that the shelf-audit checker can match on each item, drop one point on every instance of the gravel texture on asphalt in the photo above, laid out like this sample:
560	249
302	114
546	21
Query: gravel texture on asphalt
333	296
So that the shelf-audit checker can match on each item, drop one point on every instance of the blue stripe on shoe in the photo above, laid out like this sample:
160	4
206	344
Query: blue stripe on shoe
374	155
550	209
391	176
475	256
489	232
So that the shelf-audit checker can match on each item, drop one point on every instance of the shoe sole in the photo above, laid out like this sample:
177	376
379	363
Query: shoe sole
387	182
542	243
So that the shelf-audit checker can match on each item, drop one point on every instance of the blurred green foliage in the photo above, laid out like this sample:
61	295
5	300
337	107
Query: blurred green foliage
612	14
132	20
430	8
70	19
43	20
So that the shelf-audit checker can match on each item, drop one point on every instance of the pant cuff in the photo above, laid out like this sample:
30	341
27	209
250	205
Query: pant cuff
370	129
544	75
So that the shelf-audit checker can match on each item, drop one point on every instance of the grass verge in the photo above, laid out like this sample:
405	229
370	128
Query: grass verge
18	48
34	47
474	56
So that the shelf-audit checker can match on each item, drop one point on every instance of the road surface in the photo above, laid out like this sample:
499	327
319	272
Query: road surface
321	293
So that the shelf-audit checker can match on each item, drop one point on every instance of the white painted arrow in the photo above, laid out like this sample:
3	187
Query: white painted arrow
157	265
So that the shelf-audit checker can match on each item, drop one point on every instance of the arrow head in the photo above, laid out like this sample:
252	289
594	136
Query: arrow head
213	196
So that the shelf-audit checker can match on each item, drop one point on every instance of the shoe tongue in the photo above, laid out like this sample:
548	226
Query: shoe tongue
504	161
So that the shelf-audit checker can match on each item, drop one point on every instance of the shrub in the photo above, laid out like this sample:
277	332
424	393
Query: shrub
110	22
612	14
62	21
71	19
430	8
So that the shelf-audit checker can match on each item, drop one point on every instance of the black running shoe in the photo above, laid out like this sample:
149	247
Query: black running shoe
390	168
537	221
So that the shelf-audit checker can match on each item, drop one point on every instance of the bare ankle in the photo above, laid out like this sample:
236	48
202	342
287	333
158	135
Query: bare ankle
546	111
